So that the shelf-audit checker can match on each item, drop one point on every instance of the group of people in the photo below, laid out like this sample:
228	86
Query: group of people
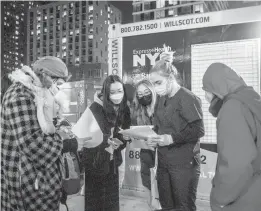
30	172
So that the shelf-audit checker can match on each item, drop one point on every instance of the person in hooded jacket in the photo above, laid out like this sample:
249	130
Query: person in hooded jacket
142	111
237	181
98	127
178	121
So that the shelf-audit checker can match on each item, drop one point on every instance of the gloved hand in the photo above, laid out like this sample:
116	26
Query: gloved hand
161	140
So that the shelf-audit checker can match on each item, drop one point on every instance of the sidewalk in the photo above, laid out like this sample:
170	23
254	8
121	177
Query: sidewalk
76	203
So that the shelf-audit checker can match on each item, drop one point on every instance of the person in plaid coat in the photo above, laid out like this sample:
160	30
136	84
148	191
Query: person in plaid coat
30	160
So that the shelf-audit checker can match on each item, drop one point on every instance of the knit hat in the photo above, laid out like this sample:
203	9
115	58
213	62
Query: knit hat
52	66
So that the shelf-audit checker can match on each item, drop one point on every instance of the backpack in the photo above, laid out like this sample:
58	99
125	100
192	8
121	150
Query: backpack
71	182
70	163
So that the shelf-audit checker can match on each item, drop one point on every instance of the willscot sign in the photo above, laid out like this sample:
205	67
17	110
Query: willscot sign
198	40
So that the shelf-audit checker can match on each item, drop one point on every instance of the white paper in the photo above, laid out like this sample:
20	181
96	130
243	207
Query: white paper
140	143
139	132
87	127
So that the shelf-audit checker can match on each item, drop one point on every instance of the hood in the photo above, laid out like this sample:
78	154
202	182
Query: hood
97	99
221	80
27	77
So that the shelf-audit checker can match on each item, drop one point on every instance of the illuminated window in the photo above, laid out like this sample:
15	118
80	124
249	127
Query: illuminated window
101	12
64	40
101	39
90	8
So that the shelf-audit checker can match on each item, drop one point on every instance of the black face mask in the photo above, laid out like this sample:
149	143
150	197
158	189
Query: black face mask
215	106
145	100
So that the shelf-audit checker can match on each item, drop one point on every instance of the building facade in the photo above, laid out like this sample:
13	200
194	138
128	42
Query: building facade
144	10
76	32
13	39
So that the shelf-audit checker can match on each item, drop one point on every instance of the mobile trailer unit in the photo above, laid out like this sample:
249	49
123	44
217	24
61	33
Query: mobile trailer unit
230	36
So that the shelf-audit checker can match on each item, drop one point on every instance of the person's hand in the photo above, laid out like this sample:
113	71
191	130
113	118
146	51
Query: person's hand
126	138
161	140
167	55
153	141
114	142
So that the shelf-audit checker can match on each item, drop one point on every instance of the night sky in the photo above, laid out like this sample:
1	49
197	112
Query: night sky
126	9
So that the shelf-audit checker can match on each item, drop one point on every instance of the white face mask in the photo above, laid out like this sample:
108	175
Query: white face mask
162	89
116	98
54	89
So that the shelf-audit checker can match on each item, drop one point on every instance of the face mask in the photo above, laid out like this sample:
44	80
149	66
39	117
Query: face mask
215	106
116	98
163	89
54	89
145	100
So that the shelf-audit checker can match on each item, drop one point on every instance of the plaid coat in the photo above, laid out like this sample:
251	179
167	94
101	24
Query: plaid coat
27	156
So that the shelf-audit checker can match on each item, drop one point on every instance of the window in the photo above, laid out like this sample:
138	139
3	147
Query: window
198	8
97	2
97	16
97	59
106	48
101	53
101	12
137	8
83	30
101	39
97	31
51	10
90	2
90	44
101	28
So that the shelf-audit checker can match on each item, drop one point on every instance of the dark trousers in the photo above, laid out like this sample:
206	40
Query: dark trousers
177	186
102	192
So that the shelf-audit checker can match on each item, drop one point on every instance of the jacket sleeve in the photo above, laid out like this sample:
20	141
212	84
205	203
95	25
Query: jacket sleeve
236	151
191	133
43	150
192	115
126	123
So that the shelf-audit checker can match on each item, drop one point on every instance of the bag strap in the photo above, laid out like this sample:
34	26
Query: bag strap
156	158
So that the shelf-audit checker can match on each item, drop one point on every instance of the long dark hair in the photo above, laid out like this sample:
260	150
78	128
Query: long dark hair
108	105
